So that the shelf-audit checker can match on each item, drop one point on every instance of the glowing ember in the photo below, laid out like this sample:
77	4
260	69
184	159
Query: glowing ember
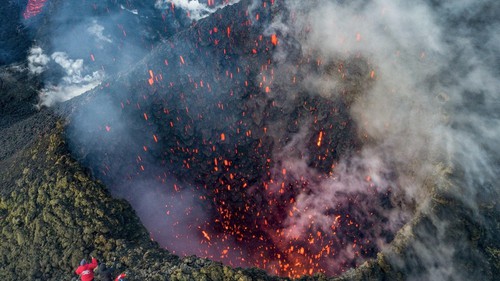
320	138
151	79
274	39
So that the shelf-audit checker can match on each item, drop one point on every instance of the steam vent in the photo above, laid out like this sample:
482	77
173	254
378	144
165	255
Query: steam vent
250	139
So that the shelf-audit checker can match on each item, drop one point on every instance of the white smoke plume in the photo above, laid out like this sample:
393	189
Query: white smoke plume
53	94
196	9
74	83
97	30
37	60
133	11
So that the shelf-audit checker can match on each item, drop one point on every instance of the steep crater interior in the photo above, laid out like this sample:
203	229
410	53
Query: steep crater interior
226	161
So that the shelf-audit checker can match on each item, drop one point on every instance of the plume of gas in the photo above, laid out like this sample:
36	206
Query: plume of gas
74	83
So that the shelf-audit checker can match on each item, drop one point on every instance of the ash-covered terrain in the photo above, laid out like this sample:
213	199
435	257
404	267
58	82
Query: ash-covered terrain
241	140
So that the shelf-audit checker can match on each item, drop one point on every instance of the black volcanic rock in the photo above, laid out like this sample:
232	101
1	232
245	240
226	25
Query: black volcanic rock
15	38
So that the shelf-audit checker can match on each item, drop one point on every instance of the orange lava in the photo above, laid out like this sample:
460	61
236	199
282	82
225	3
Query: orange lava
274	39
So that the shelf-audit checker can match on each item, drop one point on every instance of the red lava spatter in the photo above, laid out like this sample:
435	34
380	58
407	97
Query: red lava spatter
33	8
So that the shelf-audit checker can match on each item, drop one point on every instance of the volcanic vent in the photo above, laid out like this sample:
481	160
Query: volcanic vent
234	142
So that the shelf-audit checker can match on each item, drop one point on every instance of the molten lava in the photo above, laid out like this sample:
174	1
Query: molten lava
33	8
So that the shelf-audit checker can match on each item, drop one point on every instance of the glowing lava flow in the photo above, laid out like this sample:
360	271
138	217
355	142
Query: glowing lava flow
33	8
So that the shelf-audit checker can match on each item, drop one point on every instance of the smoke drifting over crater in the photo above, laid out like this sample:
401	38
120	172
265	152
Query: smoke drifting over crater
432	96
74	82
295	136
196	10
